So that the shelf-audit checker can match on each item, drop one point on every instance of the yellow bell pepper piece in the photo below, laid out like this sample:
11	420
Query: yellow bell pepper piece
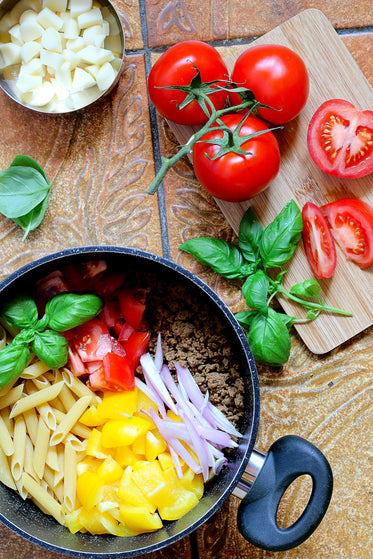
140	519
193	482
138	446
154	445
115	404
94	445
165	460
149	478
90	418
122	432
73	521
89	489
184	500
109	471
145	403
130	494
125	456
92	521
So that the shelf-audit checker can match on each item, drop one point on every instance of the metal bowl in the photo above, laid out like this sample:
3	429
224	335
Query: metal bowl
76	101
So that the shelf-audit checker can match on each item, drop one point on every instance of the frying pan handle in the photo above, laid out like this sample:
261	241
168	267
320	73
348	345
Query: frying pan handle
288	458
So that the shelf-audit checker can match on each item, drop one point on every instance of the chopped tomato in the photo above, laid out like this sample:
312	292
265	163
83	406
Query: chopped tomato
351	222
318	242
85	276
136	346
109	283
125	332
118	372
96	380
110	314
76	364
92	340
117	347
132	305
340	139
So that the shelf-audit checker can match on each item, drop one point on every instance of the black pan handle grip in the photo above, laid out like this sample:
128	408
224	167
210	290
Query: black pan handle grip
288	458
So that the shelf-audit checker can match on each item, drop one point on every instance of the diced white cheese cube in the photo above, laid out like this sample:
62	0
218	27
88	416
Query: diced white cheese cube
48	19
55	5
63	76
51	40
42	95
105	76
51	59
28	82
75	44
94	55
28	15
70	28
82	80
29	50
92	17
113	43
78	7
9	54
15	35
30	30
60	92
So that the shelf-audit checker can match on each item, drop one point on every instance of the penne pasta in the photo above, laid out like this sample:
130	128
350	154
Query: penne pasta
36	399
31	420
69	420
69	485
78	387
41	448
29	453
66	397
49	504
11	397
35	370
78	429
5	473
19	441
52	459
6	441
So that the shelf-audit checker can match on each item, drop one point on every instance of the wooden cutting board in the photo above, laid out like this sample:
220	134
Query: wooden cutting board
333	74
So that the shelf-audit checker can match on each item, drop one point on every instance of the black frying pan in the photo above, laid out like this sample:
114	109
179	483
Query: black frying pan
287	459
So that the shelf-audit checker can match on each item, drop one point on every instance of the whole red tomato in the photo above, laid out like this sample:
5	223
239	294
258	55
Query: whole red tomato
340	139
177	66
278	78
236	177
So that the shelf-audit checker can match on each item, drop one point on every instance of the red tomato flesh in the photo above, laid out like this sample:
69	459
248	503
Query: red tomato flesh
235	177
118	372
351	223
318	242
177	66
132	305
278	78
91	340
340	139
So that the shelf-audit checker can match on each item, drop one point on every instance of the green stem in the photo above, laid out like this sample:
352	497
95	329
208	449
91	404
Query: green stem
167	163
309	304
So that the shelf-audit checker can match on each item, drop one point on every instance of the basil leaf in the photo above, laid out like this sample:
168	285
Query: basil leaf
307	288
25	336
255	290
32	220
51	348
245	318
269	339
21	190
20	312
281	237
26	161
13	360
67	310
223	257
249	234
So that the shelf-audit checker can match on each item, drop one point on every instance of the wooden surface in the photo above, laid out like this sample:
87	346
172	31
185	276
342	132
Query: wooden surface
101	162
333	74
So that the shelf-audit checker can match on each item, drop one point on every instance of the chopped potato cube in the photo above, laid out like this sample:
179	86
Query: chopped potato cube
51	59
93	17
80	6
70	28
55	5
73	59
51	40
94	55
75	44
82	80
48	19
15	35
28	15
30	50
9	54
27	83
105	76
30	30
42	95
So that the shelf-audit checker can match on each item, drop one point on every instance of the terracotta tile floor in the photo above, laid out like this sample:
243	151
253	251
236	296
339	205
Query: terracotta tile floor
101	161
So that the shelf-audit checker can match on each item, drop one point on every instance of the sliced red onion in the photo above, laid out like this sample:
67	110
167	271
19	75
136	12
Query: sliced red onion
152	394
193	391
153	378
158	357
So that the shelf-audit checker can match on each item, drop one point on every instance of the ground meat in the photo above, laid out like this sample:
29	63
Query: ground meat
193	336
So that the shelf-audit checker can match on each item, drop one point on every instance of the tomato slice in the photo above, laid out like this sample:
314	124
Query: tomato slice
351	222
92	340
318	242
118	372
340	139
132	305
136	346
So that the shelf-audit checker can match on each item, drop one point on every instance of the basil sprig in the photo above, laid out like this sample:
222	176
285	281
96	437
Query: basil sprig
62	312
260	250
24	193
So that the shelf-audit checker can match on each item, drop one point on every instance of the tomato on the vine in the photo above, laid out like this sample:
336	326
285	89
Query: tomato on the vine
351	222
318	242
278	78
234	176
177	67
340	139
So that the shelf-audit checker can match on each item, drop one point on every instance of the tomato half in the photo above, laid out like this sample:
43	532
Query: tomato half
351	222
340	139
278	78
318	242
177	66
235	177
